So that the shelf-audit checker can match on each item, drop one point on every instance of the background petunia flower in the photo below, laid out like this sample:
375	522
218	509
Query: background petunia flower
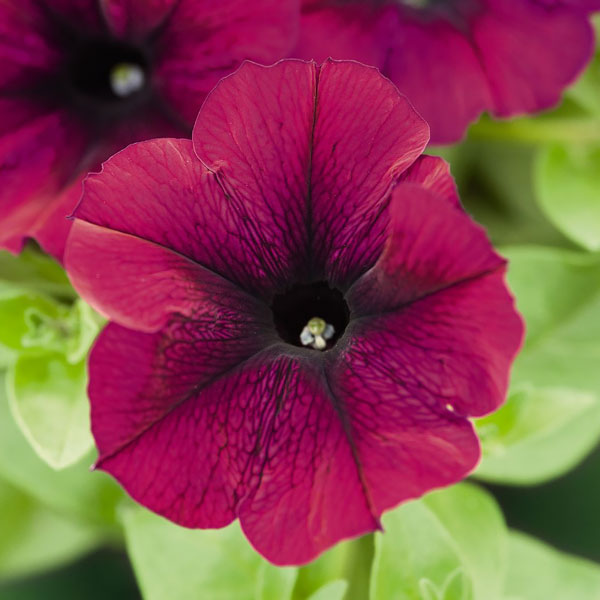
81	79
457	58
212	256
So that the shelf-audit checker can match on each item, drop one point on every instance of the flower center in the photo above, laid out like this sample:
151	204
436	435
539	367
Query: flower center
316	333
108	72
312	315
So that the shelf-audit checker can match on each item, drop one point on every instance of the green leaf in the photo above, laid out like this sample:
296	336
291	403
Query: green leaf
34	538
586	90
456	587
48	399
428	590
275	583
7	357
567	179
183	564
538	572
349	561
538	434
554	405
452	542
334	590
73	491
85	323
34	271
47	377
31	322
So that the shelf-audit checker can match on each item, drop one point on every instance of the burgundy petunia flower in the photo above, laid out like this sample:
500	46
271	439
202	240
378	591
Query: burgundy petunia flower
293	343
455	59
81	79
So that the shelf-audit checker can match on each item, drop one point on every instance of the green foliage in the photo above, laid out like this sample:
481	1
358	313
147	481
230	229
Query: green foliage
34	271
73	491
586	90
567	168
45	343
27	320
275	583
496	187
183	564
537	435
552	417
451	545
48	398
538	572
34	538
348	561
567	178
334	590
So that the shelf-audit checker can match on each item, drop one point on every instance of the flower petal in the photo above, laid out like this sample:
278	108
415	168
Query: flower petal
409	379
462	340
135	19
433	173
308	470
586	5
26	49
436	67
159	191
44	156
326	31
153	432
360	148
52	224
590	5
86	13
205	40
530	52
141	284
508	57
298	158
432	245
259	440
37	154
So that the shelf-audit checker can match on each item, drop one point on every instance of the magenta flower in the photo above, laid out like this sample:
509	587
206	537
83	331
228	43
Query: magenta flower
81	79
455	59
293	343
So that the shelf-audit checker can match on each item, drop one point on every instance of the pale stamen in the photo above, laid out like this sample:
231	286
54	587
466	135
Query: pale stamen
126	79
316	333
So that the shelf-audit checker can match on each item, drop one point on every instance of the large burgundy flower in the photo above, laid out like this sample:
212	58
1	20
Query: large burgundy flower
293	343
81	79
457	58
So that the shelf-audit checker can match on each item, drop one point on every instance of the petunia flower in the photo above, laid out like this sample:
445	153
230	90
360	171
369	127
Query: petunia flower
81	79
302	203
455	59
